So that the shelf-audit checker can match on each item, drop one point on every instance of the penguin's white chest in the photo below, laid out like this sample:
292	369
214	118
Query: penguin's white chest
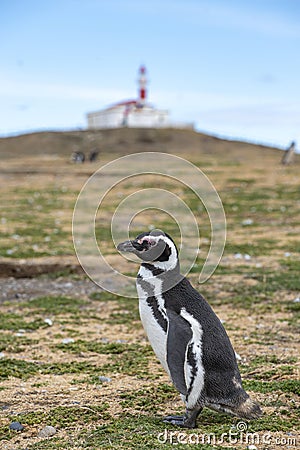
149	311
156	335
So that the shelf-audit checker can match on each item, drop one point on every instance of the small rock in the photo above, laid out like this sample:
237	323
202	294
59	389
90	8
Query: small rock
17	426
252	447
2	355
67	341
287	254
48	321
297	300
247	257
238	256
104	379
247	222
47	431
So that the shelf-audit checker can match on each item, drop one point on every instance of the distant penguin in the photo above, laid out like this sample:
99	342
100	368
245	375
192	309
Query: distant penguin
186	335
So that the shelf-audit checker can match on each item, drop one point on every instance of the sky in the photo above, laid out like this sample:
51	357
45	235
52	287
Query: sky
232	67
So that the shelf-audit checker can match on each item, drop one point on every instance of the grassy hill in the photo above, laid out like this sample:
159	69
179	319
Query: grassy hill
125	140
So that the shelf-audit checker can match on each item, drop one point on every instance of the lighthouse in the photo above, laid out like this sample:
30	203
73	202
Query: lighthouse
133	113
142	85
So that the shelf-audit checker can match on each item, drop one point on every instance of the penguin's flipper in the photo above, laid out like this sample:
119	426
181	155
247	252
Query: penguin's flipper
193	368
179	335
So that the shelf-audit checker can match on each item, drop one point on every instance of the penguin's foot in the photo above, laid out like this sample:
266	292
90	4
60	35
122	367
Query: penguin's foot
186	421
179	421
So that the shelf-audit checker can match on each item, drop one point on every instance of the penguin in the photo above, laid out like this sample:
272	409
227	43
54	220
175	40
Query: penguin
186	335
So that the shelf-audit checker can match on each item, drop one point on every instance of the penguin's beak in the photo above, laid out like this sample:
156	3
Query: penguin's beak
126	247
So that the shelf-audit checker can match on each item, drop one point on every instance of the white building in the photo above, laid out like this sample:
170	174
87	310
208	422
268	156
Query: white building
128	114
132	113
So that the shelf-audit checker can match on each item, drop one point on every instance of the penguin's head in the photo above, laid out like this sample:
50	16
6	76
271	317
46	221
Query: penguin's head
155	247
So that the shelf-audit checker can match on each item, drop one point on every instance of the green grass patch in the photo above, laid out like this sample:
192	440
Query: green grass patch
258	361
149	399
56	305
52	444
24	369
14	344
258	248
275	371
65	416
129	359
290	386
14	322
104	296
80	346
17	368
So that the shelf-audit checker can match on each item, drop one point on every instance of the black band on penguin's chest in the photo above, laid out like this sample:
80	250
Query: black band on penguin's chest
153	303
154	270
160	319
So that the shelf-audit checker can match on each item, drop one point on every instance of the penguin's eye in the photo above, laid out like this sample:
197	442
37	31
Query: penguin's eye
147	242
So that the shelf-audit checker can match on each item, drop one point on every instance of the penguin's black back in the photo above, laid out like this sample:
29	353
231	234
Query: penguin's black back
218	356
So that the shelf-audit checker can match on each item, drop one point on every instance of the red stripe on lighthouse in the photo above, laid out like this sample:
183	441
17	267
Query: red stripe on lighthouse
142	81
